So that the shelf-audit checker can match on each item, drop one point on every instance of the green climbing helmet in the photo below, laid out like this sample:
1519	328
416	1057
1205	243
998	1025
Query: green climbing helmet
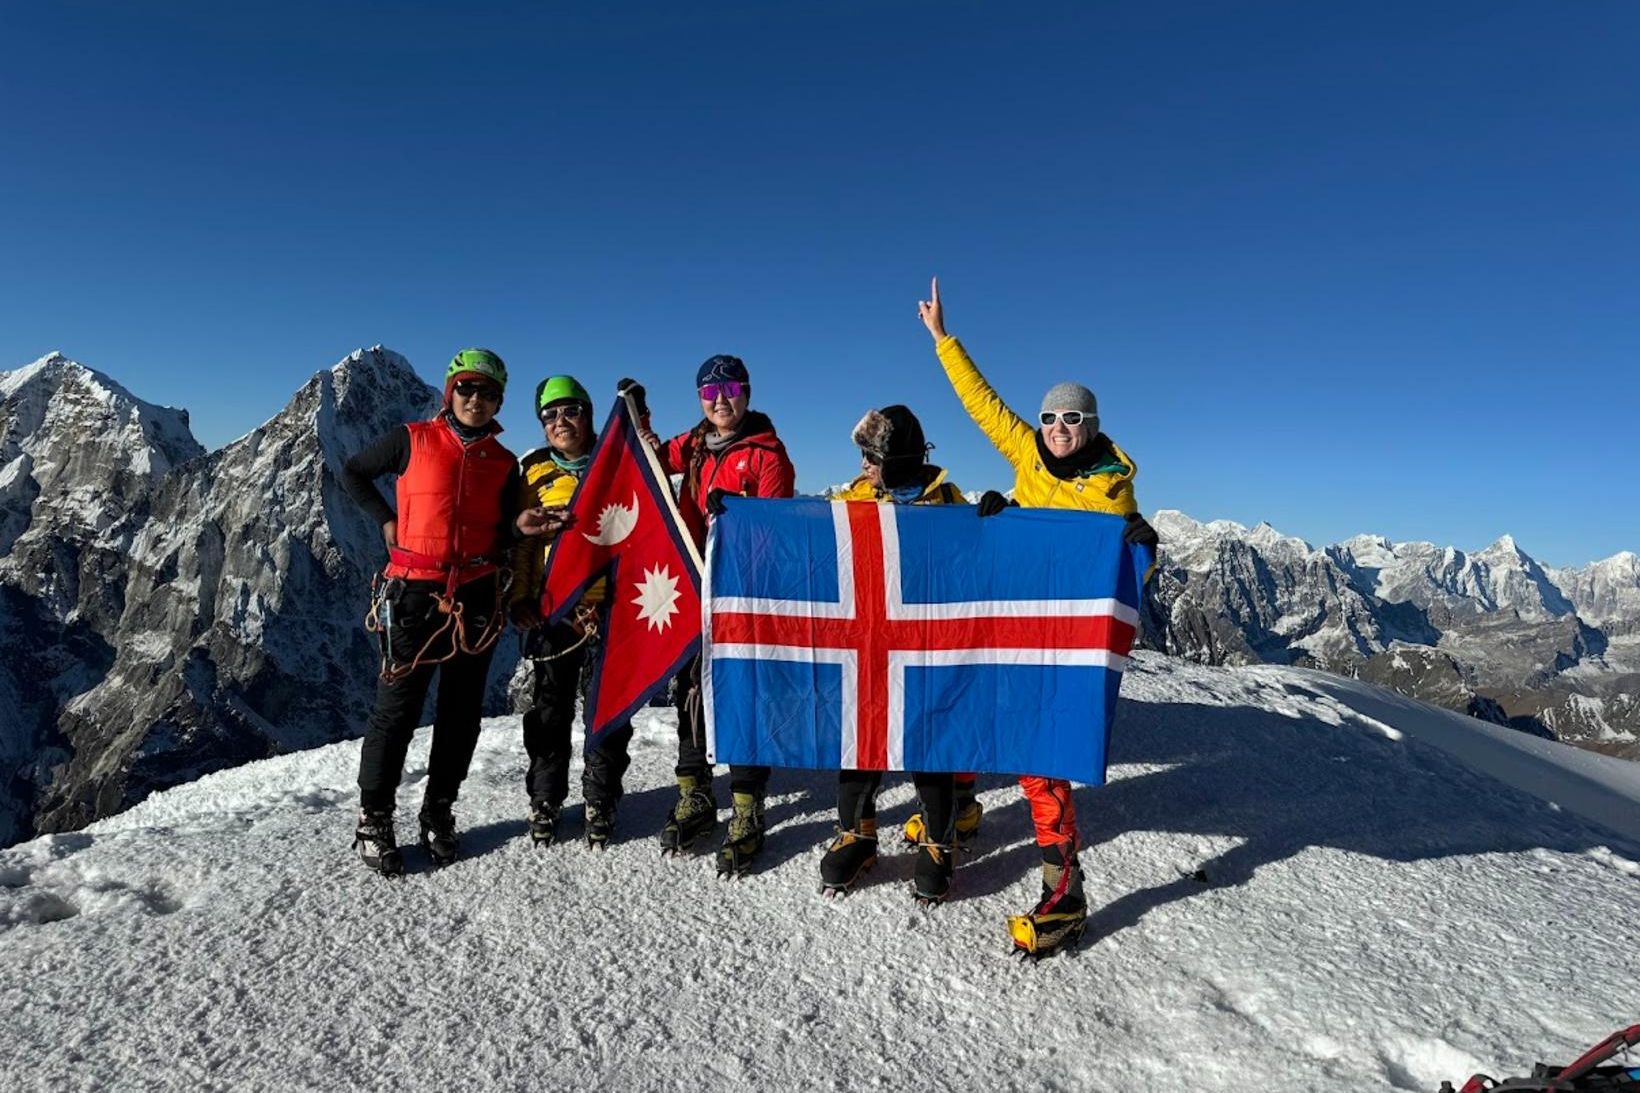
481	361
556	389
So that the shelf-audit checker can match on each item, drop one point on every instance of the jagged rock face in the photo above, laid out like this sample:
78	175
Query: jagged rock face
1512	643
1605	592
1451	584
80	458
1434	677
1608	722
1227	595
167	613
241	635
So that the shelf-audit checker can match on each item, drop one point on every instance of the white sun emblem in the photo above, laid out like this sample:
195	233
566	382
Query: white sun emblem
657	598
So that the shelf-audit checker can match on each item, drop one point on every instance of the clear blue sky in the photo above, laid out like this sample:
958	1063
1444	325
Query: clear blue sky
1367	267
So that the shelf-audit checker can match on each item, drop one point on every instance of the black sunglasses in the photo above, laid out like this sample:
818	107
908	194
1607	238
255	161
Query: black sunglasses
471	389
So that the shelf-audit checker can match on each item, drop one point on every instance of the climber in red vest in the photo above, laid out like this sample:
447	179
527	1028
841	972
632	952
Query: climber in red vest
438	604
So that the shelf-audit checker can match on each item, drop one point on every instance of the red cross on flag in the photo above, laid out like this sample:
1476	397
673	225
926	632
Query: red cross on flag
627	527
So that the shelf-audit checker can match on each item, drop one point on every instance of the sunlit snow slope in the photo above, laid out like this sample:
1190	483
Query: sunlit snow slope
1380	914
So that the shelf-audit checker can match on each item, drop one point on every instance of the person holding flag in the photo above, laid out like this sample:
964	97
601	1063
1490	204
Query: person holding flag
733	450
558	652
437	607
894	470
1066	463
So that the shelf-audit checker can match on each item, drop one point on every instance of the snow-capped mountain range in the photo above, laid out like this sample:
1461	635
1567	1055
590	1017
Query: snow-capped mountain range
1492	633
165	612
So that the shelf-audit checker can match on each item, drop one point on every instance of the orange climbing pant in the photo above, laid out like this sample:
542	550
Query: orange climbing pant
1052	810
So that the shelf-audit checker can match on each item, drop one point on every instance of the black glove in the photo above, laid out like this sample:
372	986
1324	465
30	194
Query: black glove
635	389
991	502
1138	532
714	501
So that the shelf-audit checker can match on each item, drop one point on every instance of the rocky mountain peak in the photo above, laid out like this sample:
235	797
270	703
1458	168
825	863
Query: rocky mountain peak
1506	551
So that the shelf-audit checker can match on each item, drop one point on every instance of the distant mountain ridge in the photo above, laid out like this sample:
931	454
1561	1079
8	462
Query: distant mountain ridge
1491	633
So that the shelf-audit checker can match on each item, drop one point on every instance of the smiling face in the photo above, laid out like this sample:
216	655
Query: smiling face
568	427
475	402
1063	440
725	413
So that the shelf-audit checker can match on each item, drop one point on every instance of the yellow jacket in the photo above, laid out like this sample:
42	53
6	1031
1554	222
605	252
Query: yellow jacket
937	492
1015	438
542	482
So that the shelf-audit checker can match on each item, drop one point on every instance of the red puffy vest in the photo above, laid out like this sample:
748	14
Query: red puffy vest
450	504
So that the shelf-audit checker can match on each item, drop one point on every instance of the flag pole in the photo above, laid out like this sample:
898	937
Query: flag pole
632	412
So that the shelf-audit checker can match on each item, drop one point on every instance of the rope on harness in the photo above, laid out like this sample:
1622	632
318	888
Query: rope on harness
586	621
378	620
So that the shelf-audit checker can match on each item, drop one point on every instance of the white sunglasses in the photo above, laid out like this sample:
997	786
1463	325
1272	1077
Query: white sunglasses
1069	417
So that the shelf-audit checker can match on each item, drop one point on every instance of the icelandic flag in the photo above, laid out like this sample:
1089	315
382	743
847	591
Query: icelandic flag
857	635
628	528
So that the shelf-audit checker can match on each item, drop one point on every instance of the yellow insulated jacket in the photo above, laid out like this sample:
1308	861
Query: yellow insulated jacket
542	482
1013	436
937	492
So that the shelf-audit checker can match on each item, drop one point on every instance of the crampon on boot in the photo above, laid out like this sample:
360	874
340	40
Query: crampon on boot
744	838
931	880
1583	1073
543	823
693	816
377	845
600	825
969	814
1060	916
848	858
438	831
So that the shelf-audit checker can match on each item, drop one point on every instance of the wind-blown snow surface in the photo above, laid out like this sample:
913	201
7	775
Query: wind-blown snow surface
1380	916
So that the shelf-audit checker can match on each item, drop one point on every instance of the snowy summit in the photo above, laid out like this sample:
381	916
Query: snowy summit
1297	881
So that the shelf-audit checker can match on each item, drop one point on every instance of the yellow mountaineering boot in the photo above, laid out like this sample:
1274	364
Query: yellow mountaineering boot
1060	916
694	815
848	858
969	814
744	838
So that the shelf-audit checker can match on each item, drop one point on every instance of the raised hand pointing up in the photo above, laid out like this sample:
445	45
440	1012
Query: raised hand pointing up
931	313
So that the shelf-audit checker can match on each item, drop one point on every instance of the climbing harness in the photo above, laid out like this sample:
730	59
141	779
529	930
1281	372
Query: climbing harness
385	592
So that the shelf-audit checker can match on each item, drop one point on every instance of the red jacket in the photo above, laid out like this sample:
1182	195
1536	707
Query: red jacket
755	464
450	504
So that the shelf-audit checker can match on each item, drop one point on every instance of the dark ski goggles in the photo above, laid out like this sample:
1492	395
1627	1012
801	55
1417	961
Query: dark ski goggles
1069	417
729	389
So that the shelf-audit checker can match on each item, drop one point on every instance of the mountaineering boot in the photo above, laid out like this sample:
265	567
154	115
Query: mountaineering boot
600	825
848	858
543	823
1060	916
438	831
743	839
377	845
694	815
931	880
969	814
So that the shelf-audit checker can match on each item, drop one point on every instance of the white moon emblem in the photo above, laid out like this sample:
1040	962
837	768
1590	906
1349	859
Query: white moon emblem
615	523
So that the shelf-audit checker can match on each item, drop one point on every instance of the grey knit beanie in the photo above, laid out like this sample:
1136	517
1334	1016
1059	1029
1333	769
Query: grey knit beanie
1072	396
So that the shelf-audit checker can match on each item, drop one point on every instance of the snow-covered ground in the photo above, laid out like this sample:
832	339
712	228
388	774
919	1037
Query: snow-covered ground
1380	915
